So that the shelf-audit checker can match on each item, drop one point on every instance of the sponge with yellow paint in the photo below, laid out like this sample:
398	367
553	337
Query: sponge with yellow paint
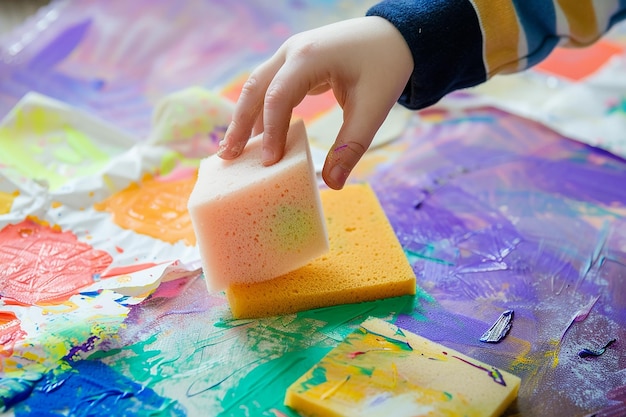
365	262
381	370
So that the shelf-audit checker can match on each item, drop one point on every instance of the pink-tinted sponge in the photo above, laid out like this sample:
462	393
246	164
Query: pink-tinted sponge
254	223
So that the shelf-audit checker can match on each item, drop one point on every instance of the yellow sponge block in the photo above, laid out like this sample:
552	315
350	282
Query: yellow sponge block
365	263
382	370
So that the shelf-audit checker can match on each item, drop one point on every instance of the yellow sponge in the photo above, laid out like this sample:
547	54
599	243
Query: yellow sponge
365	263
382	370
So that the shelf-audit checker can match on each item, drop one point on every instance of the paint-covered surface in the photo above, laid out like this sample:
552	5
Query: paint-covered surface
494	212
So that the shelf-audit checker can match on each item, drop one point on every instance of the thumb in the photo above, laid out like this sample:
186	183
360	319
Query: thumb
360	124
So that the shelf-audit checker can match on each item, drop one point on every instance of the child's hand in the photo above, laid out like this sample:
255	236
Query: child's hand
365	61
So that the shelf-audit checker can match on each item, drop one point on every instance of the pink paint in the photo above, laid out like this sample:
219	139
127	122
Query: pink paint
580	315
43	263
124	270
179	174
353	355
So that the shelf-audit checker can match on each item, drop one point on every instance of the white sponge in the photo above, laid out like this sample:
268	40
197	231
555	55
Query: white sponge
253	222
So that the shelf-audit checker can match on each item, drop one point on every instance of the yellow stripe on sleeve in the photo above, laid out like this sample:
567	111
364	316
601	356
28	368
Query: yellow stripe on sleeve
501	33
581	17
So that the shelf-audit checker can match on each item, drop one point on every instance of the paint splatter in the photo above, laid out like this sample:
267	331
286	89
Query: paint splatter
586	353
44	263
156	207
499	329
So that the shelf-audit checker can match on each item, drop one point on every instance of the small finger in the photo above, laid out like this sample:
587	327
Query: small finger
289	87
247	109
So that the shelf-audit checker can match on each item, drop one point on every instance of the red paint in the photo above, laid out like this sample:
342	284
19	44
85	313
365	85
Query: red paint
10	333
43	263
578	63
119	250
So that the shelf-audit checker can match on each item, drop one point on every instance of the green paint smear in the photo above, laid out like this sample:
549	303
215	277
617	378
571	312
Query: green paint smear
318	377
76	152
259	392
135	360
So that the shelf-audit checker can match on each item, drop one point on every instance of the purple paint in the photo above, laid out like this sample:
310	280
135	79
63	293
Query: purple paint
493	373
88	346
60	48
505	214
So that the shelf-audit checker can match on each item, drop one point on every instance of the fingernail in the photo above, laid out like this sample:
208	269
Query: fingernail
221	148
339	175
225	151
267	156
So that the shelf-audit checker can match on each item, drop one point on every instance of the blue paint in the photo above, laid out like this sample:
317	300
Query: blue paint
91	388
586	353
15	390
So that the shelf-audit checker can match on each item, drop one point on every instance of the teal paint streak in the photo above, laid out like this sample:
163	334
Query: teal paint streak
414	256
318	377
139	364
262	390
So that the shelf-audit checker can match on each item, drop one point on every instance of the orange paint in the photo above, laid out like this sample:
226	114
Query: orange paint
577	63
6	201
43	264
10	333
157	207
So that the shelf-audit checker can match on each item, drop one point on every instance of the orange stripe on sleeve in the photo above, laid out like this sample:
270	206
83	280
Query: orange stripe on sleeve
581	17
501	32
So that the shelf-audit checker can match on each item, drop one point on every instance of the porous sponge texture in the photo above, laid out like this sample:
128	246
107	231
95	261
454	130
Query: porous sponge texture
406	375
365	263
254	223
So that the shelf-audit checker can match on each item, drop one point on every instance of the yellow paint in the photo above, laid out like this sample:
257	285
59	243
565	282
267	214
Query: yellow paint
554	353
41	145
56	204
155	207
57	308
122	279
6	201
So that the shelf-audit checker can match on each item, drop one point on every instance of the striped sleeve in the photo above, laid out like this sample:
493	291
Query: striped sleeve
462	43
